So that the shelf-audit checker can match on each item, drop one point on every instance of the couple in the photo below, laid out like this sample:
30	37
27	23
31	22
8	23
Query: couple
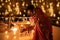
42	27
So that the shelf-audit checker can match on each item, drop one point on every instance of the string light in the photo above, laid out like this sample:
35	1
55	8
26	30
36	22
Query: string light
58	18
2	4
57	4
57	22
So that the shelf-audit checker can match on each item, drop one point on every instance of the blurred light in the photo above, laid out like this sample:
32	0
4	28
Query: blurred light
43	8
54	15
57	22
9	8
28	22
6	12
32	1
14	29
24	15
1	0
47	6
24	10
6	32
13	5
59	12
26	4
6	1
51	4
14	37
10	3
7	36
2	4
21	25
17	3
6	19
57	4
58	18
23	3
0	13
40	1
43	3
36	4
20	13
9	0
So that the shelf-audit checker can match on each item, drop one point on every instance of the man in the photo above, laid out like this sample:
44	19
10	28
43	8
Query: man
43	27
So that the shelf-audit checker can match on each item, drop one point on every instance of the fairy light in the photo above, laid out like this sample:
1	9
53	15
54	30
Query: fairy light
59	12
54	15
24	10
10	3
57	22
24	15
43	8
6	1
23	3
57	4
20	13
26	4
32	1
40	1
1	0
9	0
2	4
9	8
6	32
6	19
43	3
6	12
58	18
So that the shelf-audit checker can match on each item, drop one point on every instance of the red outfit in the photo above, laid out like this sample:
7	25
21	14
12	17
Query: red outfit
44	32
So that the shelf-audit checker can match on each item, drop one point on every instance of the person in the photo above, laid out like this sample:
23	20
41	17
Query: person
42	24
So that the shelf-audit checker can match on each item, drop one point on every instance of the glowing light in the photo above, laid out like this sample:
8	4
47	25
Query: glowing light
23	3
57	22
51	4
6	1
24	10
21	25
26	4
13	5
14	37
10	3
57	4
24	15
7	36
6	19
43	8
59	12
20	13
28	22
2	4
36	1
54	15
6	32
40	1
1	0
58	18
32	1
6	12
14	29
43	3
17	3
36	4
9	8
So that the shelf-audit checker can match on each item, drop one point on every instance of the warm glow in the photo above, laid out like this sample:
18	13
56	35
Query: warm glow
21	25
6	1
6	19
10	3
57	4
58	18
6	12
57	22
54	15
1	0
6	32
59	12
14	37
24	15
40	1
28	22
9	8
23	3
20	13
0	6
43	3
7	36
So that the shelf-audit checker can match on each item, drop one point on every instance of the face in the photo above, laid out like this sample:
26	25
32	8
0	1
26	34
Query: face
29	12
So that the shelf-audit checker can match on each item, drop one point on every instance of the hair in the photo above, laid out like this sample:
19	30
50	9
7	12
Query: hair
30	7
